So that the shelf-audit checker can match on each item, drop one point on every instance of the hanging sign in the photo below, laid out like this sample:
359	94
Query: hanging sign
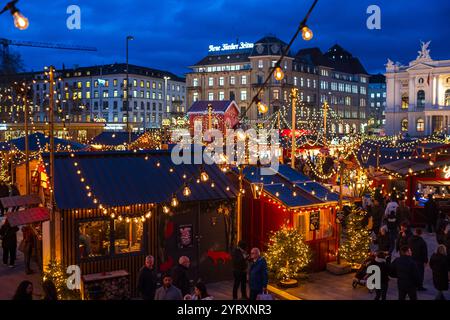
185	236
314	220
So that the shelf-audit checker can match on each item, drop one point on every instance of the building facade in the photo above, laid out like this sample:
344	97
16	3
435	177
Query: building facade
418	96
377	100
335	76
99	94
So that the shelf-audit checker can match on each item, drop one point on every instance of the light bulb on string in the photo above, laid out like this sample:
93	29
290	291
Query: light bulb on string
278	74
174	202
186	191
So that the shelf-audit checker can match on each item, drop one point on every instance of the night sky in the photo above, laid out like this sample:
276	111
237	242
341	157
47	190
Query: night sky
173	34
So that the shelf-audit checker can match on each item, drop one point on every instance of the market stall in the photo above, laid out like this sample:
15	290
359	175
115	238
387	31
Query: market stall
114	208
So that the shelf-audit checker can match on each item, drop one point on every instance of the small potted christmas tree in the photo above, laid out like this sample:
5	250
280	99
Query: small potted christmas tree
355	247
287	255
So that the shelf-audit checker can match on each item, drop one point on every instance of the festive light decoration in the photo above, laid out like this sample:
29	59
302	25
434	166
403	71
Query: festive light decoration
287	253
56	273
307	34
186	191
356	245
204	176
278	74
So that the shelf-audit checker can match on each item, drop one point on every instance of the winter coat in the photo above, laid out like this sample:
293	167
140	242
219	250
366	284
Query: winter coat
419	249
384	269
147	283
439	266
403	214
431	211
181	279
258	275
8	235
392	222
240	263
402	240
377	216
405	270
383	242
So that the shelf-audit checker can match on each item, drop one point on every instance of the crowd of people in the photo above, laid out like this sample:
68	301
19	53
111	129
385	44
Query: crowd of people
177	285
402	253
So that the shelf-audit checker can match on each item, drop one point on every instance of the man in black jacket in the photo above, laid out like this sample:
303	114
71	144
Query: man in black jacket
403	236
419	254
180	275
405	270
381	262
240	266
8	234
147	279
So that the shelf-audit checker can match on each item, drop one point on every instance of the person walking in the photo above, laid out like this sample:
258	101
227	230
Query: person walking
383	240
403	212
9	243
168	291
381	262
4	192
240	266
24	291
403	236
147	279
180	275
439	266
405	270
431	213
27	247
50	292
377	215
258	277
419	254
392	225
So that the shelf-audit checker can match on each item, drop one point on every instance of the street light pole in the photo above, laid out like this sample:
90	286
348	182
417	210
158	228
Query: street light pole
27	148
294	94
128	92
52	163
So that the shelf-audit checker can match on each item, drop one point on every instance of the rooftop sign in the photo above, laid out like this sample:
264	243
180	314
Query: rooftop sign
229	47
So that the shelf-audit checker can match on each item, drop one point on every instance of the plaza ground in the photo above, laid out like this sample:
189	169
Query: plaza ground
318	286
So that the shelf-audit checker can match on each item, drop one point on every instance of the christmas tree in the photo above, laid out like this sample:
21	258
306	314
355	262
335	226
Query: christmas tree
356	244
56	273
287	254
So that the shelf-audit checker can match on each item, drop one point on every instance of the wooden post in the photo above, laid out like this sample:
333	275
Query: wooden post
239	204
341	174
294	93
27	148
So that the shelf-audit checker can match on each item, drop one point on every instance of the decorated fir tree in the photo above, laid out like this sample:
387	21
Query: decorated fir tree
56	273
355	246
287	254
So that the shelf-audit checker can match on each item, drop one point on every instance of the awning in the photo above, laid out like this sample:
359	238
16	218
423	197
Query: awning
28	216
20	201
434	182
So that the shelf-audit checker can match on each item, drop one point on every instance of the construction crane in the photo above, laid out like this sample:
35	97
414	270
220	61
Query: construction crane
6	43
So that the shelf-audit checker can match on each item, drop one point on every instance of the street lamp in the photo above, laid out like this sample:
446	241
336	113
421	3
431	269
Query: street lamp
20	21
166	79
128	92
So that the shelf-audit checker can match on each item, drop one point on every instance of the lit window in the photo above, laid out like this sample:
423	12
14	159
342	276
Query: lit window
94	239
221	81
420	99
244	80
420	125
243	95
404	125
221	95
211	96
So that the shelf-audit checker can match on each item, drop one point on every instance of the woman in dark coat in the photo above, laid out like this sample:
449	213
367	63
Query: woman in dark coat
439	266
383	240
9	243
24	291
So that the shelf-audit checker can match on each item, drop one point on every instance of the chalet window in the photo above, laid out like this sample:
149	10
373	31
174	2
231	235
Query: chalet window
128	235
94	239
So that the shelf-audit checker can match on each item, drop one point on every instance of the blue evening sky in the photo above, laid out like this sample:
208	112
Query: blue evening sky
173	34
